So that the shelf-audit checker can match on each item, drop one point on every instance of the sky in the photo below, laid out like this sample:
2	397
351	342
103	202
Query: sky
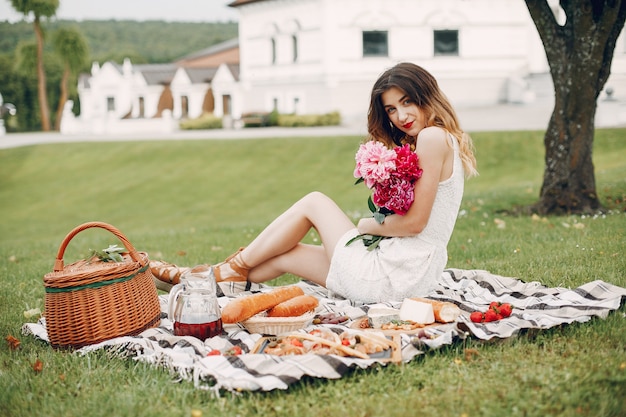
168	10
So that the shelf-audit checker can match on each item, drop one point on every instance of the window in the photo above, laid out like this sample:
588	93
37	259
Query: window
375	43
294	41
446	42
227	104
273	51
184	106
110	103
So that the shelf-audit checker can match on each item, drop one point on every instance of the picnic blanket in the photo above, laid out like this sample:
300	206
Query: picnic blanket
535	307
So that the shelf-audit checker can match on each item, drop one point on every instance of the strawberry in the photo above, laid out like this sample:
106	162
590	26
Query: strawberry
214	352
476	317
234	351
494	304
506	309
490	315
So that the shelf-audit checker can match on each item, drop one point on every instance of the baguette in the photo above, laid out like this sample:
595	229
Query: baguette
294	307
444	312
243	308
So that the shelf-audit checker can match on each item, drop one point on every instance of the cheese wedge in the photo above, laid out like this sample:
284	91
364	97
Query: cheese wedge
417	311
379	316
445	312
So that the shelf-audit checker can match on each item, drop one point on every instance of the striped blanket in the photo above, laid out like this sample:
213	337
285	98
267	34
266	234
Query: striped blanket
536	307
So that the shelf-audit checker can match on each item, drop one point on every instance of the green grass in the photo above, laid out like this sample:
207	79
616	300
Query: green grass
197	201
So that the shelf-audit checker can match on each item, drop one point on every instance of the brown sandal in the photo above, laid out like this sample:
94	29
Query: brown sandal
166	275
232	269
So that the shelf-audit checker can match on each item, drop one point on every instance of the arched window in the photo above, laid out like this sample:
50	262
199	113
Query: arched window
273	50
294	44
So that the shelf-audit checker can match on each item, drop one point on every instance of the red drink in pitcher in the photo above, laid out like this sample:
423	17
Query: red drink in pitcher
200	330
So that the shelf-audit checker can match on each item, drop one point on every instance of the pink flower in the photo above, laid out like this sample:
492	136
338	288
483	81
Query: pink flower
391	174
407	166
374	163
396	194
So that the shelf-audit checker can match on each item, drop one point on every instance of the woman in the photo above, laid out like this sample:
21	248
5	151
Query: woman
406	106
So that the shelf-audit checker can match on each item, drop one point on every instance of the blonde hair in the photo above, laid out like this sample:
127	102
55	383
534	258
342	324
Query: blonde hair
422	88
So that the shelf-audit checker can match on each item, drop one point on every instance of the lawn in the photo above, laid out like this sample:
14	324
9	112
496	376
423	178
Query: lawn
192	202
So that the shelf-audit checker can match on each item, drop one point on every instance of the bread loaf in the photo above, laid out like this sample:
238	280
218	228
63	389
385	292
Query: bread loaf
243	308
444	312
294	307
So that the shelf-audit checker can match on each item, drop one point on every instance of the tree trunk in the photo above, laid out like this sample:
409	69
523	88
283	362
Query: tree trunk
41	78
62	98
579	54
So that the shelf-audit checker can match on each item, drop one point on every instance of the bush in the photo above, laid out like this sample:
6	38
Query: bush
273	118
308	120
206	121
256	119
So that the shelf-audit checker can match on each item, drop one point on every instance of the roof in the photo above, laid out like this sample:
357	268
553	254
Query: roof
200	75
234	69
214	49
156	74
242	2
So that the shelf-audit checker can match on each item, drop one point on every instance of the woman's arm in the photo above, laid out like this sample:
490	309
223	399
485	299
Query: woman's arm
433	151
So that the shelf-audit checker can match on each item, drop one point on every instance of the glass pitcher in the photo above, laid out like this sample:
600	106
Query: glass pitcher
193	306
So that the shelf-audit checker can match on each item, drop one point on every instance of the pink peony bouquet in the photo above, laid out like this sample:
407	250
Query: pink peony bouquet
391	175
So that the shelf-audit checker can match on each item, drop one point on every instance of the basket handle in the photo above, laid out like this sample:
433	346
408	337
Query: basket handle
58	263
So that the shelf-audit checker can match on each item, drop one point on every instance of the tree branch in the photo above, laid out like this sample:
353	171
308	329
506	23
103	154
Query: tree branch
548	28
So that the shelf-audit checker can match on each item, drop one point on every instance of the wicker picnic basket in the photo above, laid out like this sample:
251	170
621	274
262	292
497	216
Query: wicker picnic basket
91	300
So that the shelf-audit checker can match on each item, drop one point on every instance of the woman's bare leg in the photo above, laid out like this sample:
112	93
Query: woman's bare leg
306	261
277	249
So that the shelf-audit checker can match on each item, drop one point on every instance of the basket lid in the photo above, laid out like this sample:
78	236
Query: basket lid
93	270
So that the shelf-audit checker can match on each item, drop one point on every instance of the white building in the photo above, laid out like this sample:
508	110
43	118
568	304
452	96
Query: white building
318	56
153	97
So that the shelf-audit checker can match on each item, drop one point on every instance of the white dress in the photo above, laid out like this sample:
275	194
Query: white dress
400	267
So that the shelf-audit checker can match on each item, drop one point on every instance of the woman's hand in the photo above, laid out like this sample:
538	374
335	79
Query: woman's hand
364	226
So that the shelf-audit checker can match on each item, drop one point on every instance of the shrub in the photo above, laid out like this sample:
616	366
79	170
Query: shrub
308	120
206	121
273	118
256	119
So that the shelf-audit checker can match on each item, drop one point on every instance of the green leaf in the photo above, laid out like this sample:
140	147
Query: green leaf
379	217
371	205
358	181
357	237
370	241
114	249
116	257
111	254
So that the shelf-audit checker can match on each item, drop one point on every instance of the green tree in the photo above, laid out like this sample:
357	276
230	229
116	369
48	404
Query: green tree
579	52
39	9
15	91
25	65
72	49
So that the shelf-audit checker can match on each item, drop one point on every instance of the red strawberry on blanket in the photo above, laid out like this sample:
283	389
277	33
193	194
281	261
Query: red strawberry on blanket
490	315
496	311
506	309
477	317
494	304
